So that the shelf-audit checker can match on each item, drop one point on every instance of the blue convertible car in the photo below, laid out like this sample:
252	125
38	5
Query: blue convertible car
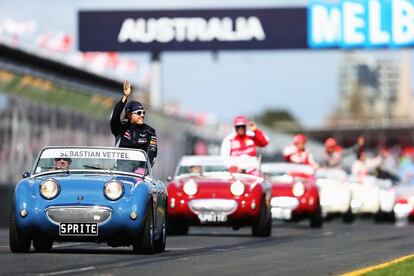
89	194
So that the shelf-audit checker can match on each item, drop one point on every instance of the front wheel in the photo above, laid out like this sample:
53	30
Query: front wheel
144	244
18	243
42	245
348	217
159	244
316	219
379	217
263	227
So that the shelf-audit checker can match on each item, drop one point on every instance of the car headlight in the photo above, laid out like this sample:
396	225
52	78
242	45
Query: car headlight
49	188
237	188
298	189
113	190
190	187
411	200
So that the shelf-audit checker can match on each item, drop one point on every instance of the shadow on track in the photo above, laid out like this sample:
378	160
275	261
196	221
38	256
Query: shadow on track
95	251
224	235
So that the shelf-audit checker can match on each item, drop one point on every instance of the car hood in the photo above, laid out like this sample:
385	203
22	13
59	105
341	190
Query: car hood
280	188
214	187
205	181
283	184
88	187
88	178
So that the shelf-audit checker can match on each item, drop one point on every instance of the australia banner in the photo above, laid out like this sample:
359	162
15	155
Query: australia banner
179	30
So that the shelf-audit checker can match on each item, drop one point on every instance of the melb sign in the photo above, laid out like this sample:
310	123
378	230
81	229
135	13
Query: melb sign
360	23
192	30
164	29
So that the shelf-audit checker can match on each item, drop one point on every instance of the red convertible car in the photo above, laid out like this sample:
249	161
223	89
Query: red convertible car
295	195
205	192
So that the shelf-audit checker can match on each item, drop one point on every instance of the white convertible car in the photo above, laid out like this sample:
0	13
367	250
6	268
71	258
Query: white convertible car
372	195
335	193
404	203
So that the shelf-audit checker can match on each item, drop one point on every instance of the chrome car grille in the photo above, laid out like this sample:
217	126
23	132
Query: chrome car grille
227	206
87	214
284	202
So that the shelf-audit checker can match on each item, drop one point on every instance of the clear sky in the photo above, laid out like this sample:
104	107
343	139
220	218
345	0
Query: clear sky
303	82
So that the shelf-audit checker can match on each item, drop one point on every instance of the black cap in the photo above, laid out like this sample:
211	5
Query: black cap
133	106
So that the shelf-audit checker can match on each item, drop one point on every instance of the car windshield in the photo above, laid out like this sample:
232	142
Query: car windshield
89	158
286	170
198	169
210	164
334	174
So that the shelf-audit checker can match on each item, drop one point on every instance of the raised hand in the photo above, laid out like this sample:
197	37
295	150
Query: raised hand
127	88
252	126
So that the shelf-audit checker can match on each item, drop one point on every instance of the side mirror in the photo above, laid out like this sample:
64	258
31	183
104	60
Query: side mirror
169	178
26	174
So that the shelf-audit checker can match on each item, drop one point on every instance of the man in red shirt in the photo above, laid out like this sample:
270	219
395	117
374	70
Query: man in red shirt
297	153
333	153
243	142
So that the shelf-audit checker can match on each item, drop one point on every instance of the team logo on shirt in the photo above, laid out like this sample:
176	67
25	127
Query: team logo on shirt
298	157
235	144
249	142
127	135
142	141
153	141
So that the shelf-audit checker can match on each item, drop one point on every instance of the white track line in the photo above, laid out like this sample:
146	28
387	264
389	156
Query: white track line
67	271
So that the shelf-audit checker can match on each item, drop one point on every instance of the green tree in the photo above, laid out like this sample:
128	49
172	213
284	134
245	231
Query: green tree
279	119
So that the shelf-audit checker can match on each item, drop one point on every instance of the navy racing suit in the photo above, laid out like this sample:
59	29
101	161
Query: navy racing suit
130	135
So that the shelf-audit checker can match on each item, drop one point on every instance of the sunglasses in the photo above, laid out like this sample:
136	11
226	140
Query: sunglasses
64	159
139	112
241	126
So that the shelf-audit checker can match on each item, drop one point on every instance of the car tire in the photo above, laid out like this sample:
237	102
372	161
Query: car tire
144	243
384	217
316	220
263	227
391	217
159	244
42	246
348	217
18	243
177	227
379	217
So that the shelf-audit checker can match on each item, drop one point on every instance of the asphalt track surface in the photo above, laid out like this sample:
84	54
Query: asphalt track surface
293	249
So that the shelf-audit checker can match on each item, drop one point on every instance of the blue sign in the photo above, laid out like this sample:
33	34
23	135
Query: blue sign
360	23
178	30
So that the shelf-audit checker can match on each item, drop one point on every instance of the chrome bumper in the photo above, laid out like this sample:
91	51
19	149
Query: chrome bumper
285	202
282	207
226	206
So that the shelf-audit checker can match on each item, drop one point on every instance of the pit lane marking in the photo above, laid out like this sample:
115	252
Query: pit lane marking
67	271
375	267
